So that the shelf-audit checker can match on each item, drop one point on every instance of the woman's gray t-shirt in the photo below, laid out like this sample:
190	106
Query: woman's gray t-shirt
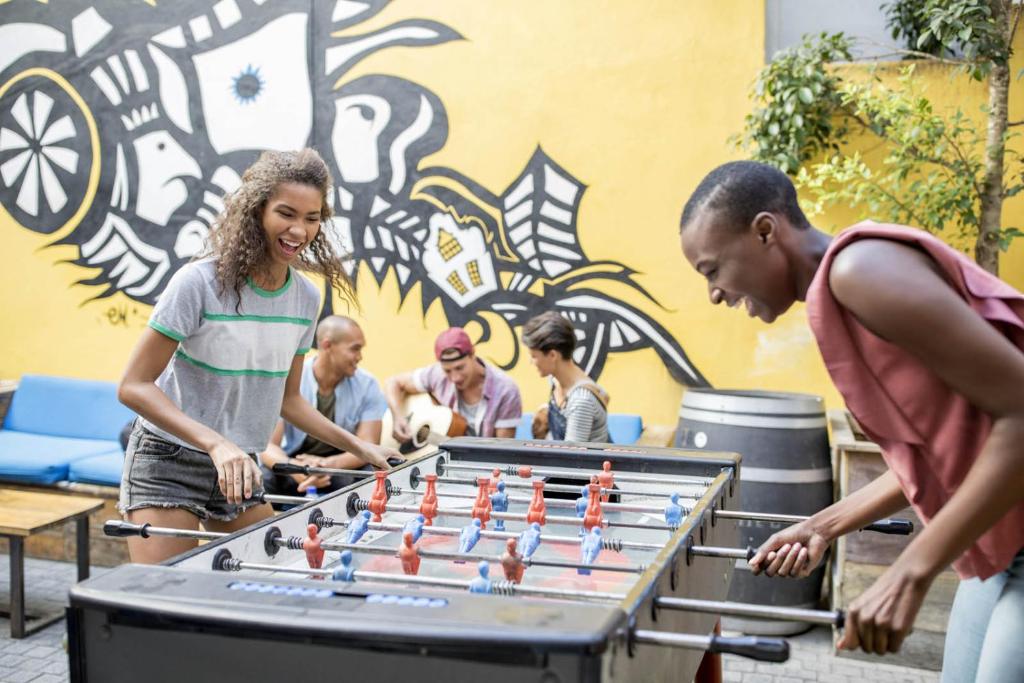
230	367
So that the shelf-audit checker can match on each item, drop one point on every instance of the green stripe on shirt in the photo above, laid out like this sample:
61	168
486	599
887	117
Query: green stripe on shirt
257	318
231	373
176	336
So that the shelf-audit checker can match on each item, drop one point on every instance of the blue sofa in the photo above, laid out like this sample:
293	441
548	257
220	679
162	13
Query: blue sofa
59	429
622	428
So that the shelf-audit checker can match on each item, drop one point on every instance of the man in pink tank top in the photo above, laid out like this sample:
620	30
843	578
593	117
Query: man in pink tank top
927	350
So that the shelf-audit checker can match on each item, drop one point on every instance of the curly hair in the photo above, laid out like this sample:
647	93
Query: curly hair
238	241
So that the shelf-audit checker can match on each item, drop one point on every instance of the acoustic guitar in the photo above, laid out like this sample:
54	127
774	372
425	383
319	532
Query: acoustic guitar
429	422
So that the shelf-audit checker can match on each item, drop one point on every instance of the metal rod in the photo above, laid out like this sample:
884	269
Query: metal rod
741	609
896	526
731	553
476	557
362	504
762	649
513	471
560	488
686	641
613	544
554	502
295	468
287	500
115	527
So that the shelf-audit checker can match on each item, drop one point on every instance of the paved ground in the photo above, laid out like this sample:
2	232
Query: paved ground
40	658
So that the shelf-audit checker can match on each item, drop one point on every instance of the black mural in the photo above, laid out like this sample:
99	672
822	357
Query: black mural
123	125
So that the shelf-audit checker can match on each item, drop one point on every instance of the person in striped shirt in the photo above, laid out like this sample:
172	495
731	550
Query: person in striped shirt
222	358
577	409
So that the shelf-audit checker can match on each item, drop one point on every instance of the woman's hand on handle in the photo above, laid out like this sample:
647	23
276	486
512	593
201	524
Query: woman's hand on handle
378	456
880	619
237	473
795	551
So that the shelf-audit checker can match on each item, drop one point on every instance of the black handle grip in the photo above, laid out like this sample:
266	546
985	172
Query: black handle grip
113	527
290	468
899	527
751	551
395	462
753	647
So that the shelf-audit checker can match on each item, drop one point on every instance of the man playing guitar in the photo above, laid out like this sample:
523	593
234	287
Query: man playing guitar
486	397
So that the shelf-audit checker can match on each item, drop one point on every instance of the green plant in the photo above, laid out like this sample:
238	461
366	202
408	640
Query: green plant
938	170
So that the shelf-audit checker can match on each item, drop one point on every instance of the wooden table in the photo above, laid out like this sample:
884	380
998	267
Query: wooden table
24	513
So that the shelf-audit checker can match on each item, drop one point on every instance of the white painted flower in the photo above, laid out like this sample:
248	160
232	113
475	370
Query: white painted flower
32	170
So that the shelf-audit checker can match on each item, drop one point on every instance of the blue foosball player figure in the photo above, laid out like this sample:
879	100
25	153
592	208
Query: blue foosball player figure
345	571
469	536
415	527
529	540
481	584
589	549
499	503
358	526
581	505
674	512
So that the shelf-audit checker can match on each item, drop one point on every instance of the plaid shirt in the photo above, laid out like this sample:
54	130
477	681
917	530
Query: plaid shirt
502	405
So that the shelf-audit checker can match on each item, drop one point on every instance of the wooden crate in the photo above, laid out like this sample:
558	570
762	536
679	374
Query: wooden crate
861	557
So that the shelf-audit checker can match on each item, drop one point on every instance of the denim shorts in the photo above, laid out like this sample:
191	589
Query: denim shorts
161	474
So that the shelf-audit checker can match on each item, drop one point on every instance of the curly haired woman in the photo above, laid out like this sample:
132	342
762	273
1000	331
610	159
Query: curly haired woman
222	357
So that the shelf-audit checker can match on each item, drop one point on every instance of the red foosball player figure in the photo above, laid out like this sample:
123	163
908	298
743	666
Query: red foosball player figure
313	547
379	498
495	478
512	562
606	479
537	511
593	515
482	504
408	555
428	506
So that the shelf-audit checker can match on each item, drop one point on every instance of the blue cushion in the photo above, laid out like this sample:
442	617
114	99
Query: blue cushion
624	428
524	429
74	408
40	459
103	469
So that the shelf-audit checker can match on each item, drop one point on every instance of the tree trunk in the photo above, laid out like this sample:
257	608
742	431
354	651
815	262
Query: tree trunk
986	250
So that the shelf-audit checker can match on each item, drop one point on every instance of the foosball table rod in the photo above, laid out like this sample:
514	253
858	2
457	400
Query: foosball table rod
549	502
835	618
362	504
571	488
613	544
752	647
527	471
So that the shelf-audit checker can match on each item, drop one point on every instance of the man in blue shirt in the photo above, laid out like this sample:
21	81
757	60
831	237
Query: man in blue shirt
344	393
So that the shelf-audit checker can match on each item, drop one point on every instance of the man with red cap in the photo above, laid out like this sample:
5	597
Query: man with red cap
485	396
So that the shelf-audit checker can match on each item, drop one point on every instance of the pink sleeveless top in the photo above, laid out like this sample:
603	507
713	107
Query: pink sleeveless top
930	435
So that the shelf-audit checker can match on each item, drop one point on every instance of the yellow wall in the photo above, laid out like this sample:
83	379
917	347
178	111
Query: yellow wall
636	99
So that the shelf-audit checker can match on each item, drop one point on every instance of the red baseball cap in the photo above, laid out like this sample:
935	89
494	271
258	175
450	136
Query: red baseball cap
453	338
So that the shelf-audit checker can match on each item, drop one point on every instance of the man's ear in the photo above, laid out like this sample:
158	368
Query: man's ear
765	226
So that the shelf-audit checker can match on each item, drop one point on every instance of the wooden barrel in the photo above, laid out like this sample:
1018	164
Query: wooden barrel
786	469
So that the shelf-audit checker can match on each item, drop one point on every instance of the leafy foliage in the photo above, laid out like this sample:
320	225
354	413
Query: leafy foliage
931	168
925	167
797	98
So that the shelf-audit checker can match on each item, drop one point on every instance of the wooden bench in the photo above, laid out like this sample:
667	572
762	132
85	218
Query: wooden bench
23	514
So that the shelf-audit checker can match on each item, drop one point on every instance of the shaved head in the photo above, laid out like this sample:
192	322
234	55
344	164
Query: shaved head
334	328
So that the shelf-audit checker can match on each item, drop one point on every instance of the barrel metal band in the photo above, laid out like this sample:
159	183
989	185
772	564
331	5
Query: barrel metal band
747	420
767	475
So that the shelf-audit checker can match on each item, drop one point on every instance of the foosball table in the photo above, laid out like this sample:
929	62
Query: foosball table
489	559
